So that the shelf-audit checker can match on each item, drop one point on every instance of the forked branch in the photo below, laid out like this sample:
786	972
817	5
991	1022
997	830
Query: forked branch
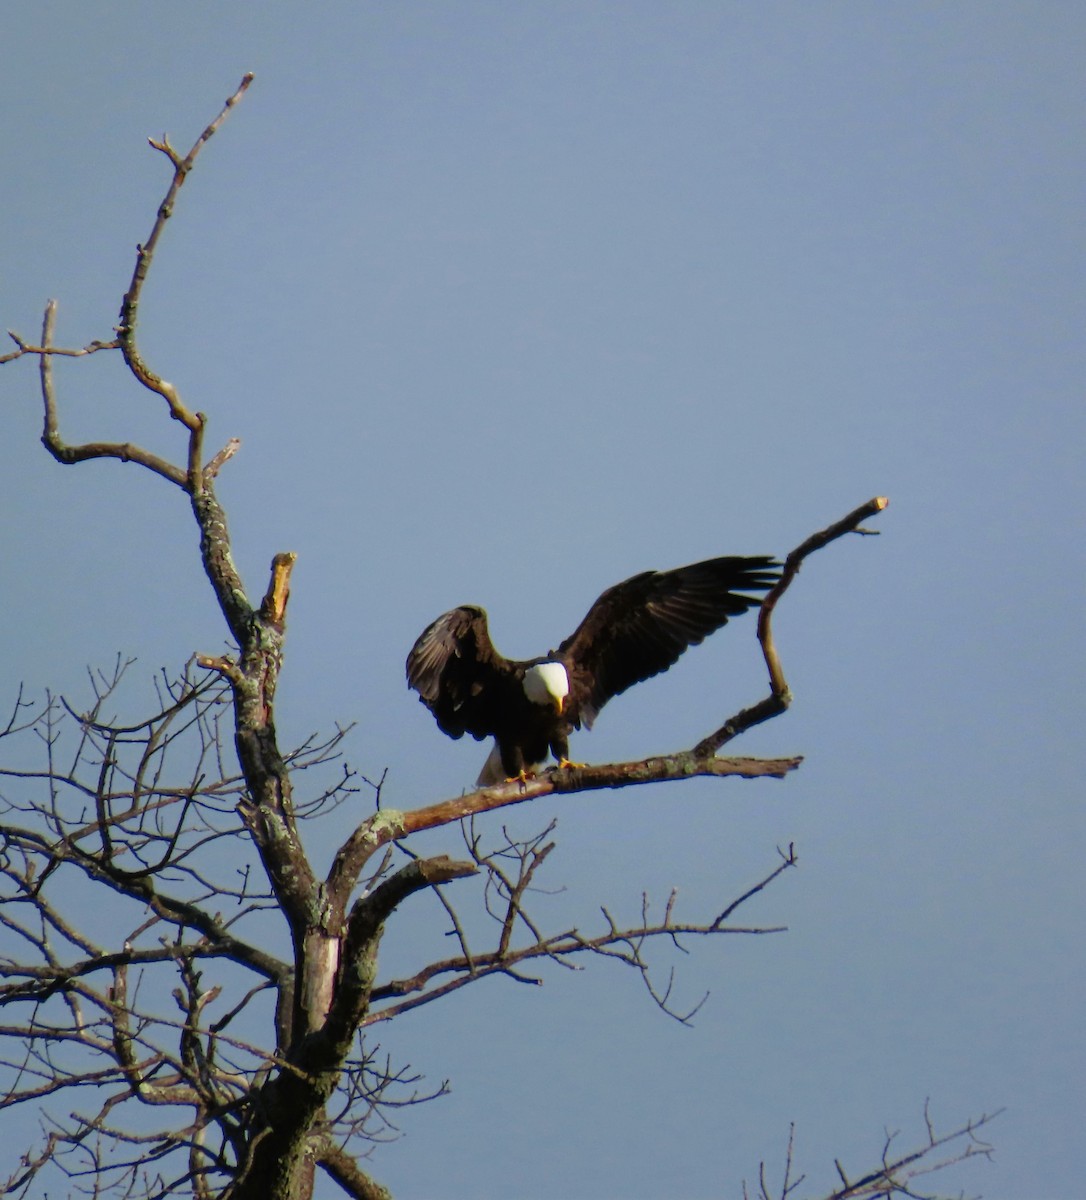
509	874
68	455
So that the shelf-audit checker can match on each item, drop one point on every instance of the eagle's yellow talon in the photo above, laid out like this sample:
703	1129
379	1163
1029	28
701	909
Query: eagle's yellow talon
566	762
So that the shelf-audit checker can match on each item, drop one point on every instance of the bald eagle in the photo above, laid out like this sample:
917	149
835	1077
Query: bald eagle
635	630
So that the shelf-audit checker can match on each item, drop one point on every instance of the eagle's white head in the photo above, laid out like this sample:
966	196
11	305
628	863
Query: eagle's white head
548	684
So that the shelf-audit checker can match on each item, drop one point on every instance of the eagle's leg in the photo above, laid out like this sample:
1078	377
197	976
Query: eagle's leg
560	750
513	764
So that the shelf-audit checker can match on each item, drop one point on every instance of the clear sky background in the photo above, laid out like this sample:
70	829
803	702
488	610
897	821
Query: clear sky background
510	301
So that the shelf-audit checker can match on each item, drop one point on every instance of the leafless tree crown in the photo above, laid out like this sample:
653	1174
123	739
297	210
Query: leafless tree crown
148	870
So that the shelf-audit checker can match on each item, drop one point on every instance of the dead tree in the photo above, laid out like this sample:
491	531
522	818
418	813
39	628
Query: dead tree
203	1052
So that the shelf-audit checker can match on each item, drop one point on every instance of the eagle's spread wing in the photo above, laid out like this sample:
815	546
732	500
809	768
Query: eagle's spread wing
458	674
639	628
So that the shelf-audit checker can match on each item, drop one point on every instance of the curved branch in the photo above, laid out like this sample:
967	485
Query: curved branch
364	929
780	697
129	314
340	1166
69	455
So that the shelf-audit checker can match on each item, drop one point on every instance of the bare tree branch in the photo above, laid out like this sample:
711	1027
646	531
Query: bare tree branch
780	696
192	476
346	1172
126	328
69	455
898	1172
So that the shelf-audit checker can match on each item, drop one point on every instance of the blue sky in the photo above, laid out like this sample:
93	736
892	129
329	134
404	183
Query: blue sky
508	302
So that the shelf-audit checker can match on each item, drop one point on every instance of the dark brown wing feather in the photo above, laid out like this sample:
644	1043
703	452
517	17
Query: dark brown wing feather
459	675
638	628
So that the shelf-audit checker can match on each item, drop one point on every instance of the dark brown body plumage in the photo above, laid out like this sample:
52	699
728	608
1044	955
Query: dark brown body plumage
635	630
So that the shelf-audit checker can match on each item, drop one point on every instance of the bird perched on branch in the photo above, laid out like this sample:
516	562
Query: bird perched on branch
635	630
